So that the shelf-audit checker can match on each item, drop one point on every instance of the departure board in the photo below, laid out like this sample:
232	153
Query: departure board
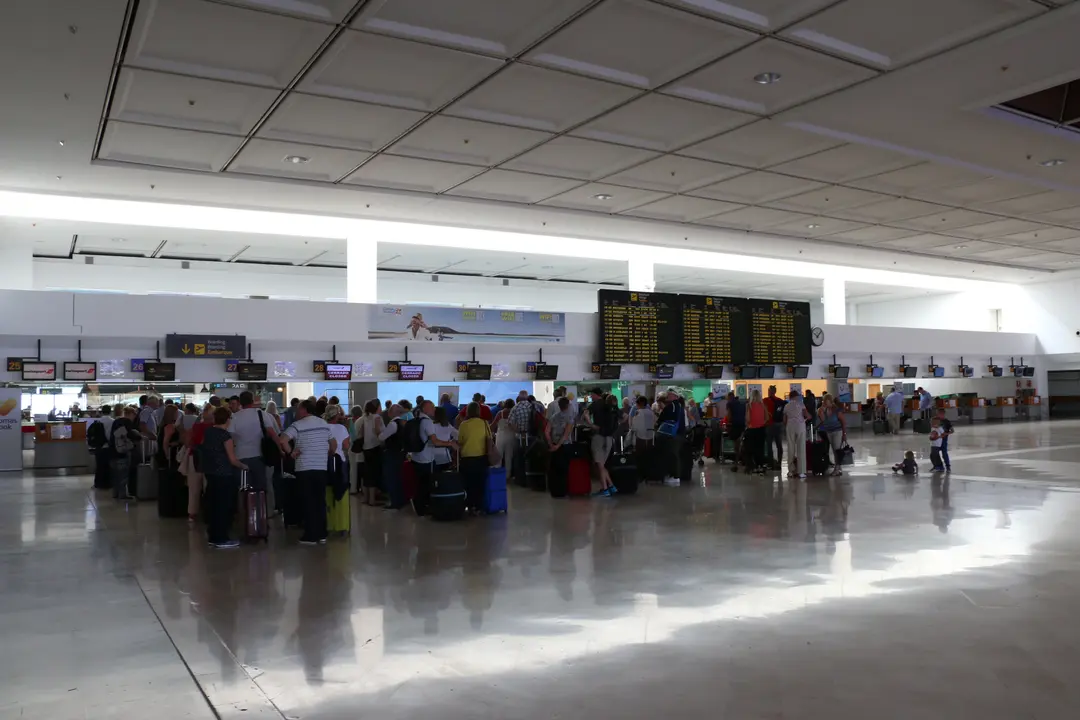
779	332
639	327
714	330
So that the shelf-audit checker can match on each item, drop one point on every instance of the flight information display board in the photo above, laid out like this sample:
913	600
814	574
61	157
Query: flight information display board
714	330
779	332
640	327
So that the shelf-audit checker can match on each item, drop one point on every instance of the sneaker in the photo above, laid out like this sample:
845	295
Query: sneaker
672	482
309	542
600	492
613	490
323	541
802	476
228	544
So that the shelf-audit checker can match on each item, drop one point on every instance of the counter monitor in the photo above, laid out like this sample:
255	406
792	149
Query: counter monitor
84	371
338	371
251	372
766	372
911	371
748	372
996	370
800	372
967	371
876	371
413	372
159	371
937	370
714	372
1029	372
478	372
665	372
610	372
547	372
841	372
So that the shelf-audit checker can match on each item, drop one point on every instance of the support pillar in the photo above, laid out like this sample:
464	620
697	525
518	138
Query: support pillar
361	273
16	262
833	298
640	276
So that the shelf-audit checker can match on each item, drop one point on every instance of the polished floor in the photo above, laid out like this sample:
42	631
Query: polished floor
737	597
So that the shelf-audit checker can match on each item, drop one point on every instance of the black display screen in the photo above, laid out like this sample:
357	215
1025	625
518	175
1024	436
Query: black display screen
1029	372
714	330
779	332
478	372
610	372
748	372
841	372
911	371
547	372
251	371
996	371
800	372
639	327
714	372
665	372
766	372
159	371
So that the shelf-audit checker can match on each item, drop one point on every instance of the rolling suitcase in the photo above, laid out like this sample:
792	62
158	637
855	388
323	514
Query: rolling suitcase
881	427
146	477
253	507
921	426
408	481
578	481
536	467
172	494
495	491
338	514
292	507
623	469
817	456
447	497
517	463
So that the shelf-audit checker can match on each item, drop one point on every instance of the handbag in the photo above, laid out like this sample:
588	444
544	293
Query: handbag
271	453
493	455
847	455
183	461
669	428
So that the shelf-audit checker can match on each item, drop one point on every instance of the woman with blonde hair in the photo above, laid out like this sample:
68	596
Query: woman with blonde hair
338	518
757	418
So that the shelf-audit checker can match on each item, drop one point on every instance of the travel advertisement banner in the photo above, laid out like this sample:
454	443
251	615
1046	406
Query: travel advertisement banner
10	429
409	323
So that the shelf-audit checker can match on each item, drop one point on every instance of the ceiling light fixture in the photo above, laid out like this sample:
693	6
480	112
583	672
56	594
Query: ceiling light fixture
812	226
296	159
767	78
603	196
960	247
61	143
1052	162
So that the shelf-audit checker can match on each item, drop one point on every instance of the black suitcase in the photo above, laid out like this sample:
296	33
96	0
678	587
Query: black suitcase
881	427
818	456
536	463
172	494
921	426
447	500
622	468
517	464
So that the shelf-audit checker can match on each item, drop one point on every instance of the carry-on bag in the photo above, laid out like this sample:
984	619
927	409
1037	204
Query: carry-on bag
146	476
578	481
495	500
622	468
253	507
447	497
817	454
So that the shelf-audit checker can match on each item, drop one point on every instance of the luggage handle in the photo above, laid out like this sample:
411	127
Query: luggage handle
243	480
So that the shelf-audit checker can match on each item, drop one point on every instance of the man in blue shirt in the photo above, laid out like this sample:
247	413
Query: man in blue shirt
894	406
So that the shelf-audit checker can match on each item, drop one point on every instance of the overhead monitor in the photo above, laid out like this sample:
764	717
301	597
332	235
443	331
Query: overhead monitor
996	370
80	371
251	372
412	372
876	371
476	371
714	372
36	370
967	371
841	372
748	372
159	371
610	372
1029	372
338	371
665	372
800	372
937	370
911	371
766	372
547	372
1018	371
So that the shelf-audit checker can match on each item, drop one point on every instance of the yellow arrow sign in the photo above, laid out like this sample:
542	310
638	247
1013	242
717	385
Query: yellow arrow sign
186	350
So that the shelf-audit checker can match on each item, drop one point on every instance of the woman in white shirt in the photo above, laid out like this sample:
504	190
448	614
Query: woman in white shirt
372	426
445	432
795	419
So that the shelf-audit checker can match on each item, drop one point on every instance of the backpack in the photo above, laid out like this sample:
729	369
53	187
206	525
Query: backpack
413	442
122	443
95	436
608	421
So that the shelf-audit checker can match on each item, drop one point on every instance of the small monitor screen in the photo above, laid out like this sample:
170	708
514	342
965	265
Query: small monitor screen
251	372
1029	372
877	372
414	372
841	372
911	371
1018	371
547	372
665	372
714	372
159	371
938	370
997	371
967	371
338	371
766	372
748	372
610	372
478	372
800	372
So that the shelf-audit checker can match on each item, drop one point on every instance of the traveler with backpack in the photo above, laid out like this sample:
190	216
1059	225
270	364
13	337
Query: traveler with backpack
671	437
255	435
123	439
392	456
421	442
604	421
97	440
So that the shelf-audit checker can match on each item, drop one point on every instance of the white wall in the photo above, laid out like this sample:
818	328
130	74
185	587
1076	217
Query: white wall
956	311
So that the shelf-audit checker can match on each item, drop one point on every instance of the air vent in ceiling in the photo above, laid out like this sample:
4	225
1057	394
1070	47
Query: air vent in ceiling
89	260
1058	105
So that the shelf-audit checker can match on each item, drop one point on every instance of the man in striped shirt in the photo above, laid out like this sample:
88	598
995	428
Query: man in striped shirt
314	446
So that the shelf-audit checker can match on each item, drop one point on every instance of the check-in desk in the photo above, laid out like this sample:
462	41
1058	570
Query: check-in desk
1029	408
61	444
974	410
853	418
951	406
1004	408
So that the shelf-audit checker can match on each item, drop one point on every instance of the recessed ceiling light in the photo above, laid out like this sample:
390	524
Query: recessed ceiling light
119	240
960	247
296	159
1052	162
603	196
61	143
767	78
812	226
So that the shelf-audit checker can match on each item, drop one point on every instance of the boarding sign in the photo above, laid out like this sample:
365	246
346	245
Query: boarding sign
205	346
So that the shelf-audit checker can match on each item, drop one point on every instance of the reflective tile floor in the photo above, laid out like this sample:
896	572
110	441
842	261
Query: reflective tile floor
738	597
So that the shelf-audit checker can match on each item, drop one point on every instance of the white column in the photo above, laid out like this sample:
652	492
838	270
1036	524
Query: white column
833	298
640	275
361	273
16	262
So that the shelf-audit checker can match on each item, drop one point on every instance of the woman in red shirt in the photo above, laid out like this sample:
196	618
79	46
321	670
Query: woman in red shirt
195	479
757	417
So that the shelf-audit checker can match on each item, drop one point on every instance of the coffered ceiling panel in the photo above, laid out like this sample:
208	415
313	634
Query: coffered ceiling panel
406	173
293	160
607	43
757	187
658	122
946	220
872	234
921	177
540	99
494	27
513	186
387	71
467	141
166	147
1040	234
997	228
605	198
830	199
680	208
892	210
328	11
212	40
758	14
338	123
846	163
985	192
760	144
154	98
814	226
755	218
579	158
674	174
803	74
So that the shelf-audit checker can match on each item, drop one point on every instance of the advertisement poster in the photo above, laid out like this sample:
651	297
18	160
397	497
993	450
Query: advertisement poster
409	323
10	429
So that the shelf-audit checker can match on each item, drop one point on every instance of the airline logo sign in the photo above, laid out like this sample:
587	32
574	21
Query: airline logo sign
205	346
80	371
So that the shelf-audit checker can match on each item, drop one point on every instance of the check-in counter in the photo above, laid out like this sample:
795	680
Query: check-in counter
951	406
975	410
1004	408
1029	408
61	444
853	417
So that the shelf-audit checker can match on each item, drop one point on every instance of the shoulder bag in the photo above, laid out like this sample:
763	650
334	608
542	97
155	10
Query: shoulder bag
268	448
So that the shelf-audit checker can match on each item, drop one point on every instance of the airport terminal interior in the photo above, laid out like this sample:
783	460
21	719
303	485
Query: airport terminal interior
670	358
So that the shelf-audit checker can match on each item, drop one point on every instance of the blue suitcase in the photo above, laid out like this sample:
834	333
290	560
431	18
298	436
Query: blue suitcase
495	491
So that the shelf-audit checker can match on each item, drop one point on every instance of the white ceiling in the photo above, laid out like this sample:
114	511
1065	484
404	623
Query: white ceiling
875	136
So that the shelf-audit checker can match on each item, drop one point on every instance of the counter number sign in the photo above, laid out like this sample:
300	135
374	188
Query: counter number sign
138	365
393	367
318	366
14	364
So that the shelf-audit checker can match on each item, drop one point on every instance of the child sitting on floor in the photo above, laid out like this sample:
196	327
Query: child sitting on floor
908	466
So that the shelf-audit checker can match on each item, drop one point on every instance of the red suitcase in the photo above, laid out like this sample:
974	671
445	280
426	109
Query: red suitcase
408	480
578	481
253	505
